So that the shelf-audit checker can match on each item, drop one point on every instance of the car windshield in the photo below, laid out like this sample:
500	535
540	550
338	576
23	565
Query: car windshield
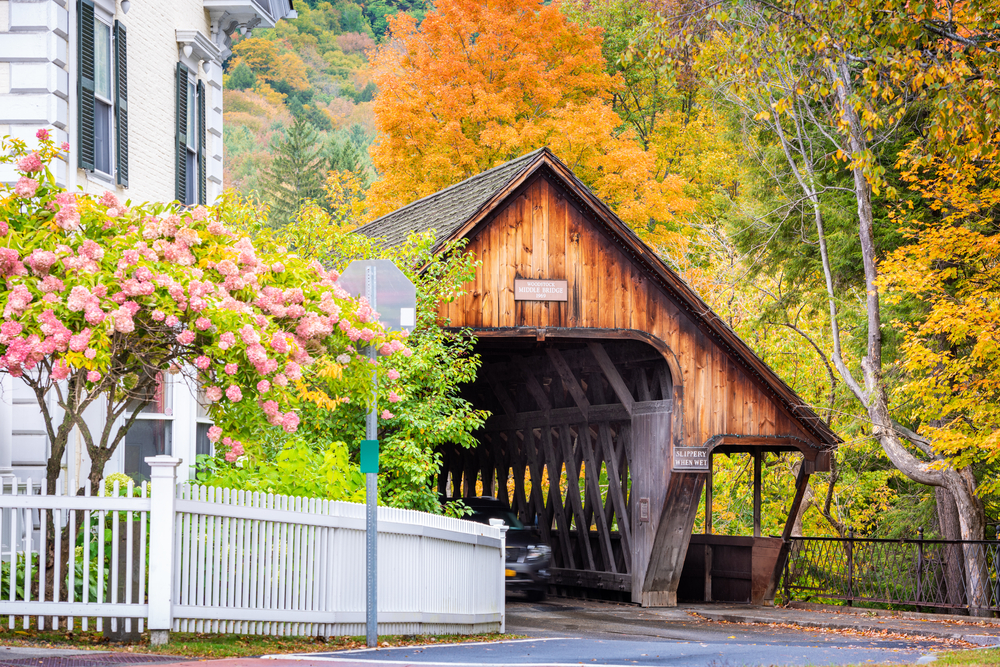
509	518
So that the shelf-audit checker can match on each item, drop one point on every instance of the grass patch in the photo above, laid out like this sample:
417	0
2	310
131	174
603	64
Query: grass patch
196	645
985	656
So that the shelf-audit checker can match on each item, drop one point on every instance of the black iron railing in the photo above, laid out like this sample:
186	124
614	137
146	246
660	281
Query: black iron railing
952	574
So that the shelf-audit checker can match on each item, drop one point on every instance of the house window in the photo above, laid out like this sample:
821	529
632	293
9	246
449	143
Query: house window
151	433
102	93
202	444
190	137
103	102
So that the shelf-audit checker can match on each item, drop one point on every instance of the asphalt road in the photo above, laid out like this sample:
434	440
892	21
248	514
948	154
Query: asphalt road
632	651
573	632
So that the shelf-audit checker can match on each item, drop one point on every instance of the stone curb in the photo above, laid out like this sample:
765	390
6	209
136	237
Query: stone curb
731	617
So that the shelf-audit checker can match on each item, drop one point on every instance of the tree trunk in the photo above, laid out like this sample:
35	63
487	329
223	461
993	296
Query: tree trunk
952	555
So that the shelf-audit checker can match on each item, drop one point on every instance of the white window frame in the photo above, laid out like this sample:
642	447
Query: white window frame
169	389
106	20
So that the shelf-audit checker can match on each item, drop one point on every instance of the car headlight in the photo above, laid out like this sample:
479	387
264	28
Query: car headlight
538	552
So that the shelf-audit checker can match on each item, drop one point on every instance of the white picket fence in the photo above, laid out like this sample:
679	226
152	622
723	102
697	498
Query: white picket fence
202	559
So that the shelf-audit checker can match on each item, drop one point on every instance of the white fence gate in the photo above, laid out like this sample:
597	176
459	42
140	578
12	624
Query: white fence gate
202	559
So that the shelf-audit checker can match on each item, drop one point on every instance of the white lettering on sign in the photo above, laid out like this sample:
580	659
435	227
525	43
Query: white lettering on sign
541	290
694	459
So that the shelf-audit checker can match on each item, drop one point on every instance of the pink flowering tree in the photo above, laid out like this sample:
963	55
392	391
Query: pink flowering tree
102	297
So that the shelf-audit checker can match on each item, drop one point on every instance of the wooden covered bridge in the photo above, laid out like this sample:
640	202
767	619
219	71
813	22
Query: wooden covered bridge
600	364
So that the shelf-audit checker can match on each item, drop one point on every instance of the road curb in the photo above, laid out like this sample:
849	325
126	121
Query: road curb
835	624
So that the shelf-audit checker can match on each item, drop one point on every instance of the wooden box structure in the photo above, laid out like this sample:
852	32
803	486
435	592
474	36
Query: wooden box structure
600	365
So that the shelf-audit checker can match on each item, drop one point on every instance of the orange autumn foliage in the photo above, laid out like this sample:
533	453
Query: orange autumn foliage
479	83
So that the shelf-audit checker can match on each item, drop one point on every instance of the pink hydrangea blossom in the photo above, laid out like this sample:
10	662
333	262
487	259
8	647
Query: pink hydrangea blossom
10	263
90	353
109	199
407	352
159	315
9	331
249	335
42	134
227	268
393	397
234	394
393	374
263	387
80	341
52	284
203	323
227	340
231	369
25	187
213	394
4	228
290	422
293	370
123	320
172	320
202	362
387	415
281	380
343	359
279	342
29	163
60	371
214	433
67	217
93	376
18	300
186	337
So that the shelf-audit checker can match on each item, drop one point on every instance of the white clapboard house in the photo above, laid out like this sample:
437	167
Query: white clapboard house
135	88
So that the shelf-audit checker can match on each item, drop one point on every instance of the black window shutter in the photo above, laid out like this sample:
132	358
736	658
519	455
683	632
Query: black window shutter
85	83
182	111
121	104
202	175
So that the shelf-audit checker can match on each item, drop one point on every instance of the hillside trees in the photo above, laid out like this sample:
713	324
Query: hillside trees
477	84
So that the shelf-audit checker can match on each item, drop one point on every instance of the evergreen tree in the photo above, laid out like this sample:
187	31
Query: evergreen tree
296	173
241	78
344	156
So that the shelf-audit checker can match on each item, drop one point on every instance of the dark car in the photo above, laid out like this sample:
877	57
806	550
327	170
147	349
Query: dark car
528	557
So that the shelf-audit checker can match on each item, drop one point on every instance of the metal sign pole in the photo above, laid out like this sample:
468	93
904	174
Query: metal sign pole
371	488
398	297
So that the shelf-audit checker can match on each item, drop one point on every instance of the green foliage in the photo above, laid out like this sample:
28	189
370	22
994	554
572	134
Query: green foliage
241	78
298	469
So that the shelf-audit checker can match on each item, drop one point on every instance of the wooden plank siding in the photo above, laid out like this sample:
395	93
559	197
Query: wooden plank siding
542	231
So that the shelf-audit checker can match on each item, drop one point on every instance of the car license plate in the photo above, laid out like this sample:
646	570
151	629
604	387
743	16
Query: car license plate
509	573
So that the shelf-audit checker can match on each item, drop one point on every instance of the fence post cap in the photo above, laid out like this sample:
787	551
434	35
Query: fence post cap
498	523
162	465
